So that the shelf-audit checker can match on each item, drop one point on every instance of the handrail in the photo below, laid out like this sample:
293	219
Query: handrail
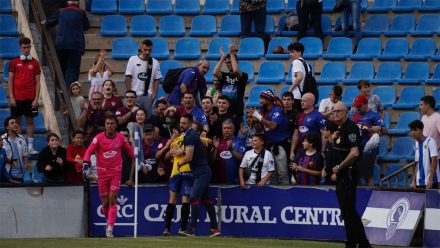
61	92
390	176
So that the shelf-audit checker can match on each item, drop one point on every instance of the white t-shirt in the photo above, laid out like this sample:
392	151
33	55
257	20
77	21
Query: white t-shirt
424	161
297	66
325	105
98	79
268	165
137	68
431	126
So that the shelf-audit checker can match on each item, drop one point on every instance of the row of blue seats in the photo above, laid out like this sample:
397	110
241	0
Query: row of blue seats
8	25
206	25
38	121
5	7
339	48
222	7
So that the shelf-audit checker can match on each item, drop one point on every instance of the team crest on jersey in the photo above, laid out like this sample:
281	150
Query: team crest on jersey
95	140
309	119
116	143
352	137
30	67
226	155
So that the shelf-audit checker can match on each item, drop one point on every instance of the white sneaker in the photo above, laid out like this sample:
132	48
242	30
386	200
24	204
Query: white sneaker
109	232
32	151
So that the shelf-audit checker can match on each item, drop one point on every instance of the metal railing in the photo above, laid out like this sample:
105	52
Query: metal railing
37	14
388	179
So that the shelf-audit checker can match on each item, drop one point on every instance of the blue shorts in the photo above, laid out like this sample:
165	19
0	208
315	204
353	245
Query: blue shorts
182	184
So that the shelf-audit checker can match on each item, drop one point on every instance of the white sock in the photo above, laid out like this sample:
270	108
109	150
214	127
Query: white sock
30	143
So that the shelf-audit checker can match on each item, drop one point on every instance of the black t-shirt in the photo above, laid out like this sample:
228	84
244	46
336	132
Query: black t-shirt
291	115
234	88
161	123
349	136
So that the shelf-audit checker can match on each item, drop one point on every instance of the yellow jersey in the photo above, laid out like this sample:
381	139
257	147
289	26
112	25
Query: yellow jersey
183	168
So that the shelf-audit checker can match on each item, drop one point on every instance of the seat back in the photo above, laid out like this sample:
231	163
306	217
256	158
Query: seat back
159	7
406	118
131	6
124	48
389	70
387	95
396	46
113	25
403	22
377	23
362	70
143	25
369	46
423	46
161	49
335	70
203	25
172	25
186	7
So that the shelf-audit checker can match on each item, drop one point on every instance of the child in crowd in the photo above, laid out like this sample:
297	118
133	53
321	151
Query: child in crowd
374	103
308	162
100	72
215	91
52	160
111	101
247	131
75	155
4	174
76	98
427	173
326	105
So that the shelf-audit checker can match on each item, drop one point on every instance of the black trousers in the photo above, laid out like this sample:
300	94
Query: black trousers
346	194
306	13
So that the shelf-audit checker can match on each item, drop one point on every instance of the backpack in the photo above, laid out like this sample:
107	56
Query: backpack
310	85
292	22
171	78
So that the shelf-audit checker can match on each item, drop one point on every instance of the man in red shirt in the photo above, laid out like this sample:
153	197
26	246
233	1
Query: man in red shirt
24	89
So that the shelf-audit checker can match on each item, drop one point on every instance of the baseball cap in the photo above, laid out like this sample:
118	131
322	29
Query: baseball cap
359	100
148	127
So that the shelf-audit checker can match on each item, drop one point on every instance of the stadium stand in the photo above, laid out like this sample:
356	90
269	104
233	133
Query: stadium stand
402	25
187	49
376	25
131	7
124	48
143	25
397	181
113	25
203	25
209	75
387	95
9	48
409	97
216	7
251	48
159	7
215	45
104	7
382	6
388	73
395	49
402	124
8	25
275	42
358	71
161	50
5	7
332	72
430	6
415	73
368	49
230	26
254	95
401	148
248	68
407	5
349	94
271	72
275	6
427	25
340	48
422	49
186	7
435	80
313	47
171	25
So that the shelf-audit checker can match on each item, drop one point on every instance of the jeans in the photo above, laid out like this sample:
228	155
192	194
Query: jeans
258	17
70	62
355	10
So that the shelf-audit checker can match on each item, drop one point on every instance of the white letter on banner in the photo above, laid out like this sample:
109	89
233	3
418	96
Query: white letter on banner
336	217
267	216
231	218
256	215
312	216
148	216
99	211
124	211
324	212
299	215
283	215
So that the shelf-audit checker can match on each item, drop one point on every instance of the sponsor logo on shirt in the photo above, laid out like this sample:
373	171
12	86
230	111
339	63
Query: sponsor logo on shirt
110	154
226	155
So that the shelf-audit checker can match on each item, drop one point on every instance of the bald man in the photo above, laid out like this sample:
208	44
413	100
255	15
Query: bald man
308	121
191	79
346	152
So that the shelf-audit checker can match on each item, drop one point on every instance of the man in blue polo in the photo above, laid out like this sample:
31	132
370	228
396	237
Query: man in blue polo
196	156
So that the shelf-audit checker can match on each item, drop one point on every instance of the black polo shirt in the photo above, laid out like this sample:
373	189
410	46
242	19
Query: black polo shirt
349	136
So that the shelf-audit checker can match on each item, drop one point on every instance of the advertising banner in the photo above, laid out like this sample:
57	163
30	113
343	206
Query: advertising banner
296	212
392	217
431	234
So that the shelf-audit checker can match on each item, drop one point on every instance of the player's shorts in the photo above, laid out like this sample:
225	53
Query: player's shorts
181	183
108	182
21	108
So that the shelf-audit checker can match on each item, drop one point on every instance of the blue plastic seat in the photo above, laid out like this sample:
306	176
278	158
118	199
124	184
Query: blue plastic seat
284	89
9	48
251	48
124	48
230	26
409	97
387	95
161	50
435	80
388	73
338	26
416	72
6	71
37	177
376	175
209	76
104	7
349	94
27	179
248	68
5	7
275	6
271	72
360	70
40	142
3	115
159	7
269	28
376	25
143	25
339	48
3	98
113	25
383	148
382	6
436	57
324	92
436	95
275	42
368	49
254	95
214	47
430	6
8	25
131	7
312	47
395	49
169	64
282	24
402	147
402	124
172	25
291	6
328	5
326	25
38	124
402	25
203	25
422	49
187	48
397	181
187	7
161	93
427	25
235	8
387	119
407	5
216	7
332	72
